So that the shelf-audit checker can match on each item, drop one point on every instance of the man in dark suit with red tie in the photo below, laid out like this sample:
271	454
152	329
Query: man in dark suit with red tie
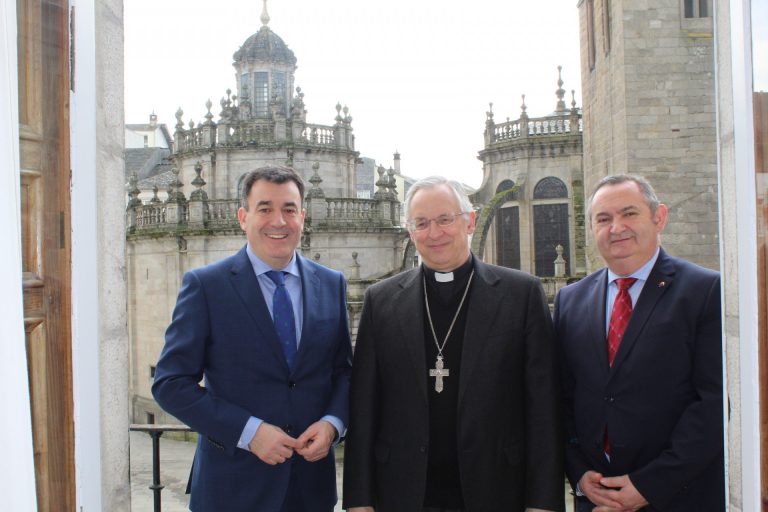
642	366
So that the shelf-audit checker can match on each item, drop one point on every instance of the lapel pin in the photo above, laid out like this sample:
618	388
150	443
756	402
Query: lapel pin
662	284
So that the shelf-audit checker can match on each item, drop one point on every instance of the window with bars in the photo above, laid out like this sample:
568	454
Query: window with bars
261	94
280	85
550	228
508	237
697	8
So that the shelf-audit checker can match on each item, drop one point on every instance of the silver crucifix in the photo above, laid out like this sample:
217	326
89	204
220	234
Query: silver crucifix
439	372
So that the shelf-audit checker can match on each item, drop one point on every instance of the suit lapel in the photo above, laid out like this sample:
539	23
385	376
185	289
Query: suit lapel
409	314
246	284
484	300
595	304
659	281
310	296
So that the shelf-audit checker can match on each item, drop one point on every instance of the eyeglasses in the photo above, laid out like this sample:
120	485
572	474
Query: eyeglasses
445	220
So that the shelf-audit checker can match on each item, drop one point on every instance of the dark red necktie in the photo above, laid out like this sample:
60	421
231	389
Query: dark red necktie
622	310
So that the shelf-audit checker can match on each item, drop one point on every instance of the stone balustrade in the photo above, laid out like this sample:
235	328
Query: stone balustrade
319	134
347	213
536	127
355	210
259	132
222	212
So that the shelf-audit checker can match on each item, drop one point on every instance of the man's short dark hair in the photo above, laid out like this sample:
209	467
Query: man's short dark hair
272	174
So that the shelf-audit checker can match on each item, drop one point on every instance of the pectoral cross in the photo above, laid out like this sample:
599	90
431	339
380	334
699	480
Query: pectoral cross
439	372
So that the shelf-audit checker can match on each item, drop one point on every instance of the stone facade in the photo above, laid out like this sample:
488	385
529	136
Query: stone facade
648	87
531	198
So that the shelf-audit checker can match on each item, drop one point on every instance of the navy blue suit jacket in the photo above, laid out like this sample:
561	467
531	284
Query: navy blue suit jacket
661	400
222	331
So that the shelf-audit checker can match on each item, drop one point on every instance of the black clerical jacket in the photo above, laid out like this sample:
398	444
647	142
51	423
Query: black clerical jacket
508	420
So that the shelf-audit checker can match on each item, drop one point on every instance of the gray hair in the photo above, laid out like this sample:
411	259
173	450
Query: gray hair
645	188
465	205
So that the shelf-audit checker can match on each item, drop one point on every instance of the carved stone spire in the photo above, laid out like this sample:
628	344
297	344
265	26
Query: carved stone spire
264	15
523	108
560	91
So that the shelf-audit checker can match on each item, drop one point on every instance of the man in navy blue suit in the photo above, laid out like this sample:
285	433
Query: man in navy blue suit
266	330
642	366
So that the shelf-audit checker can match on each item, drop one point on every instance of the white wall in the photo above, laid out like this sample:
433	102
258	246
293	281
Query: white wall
17	472
99	325
736	174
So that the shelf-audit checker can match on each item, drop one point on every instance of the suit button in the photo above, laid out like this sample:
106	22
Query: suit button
291	384
423	449
288	428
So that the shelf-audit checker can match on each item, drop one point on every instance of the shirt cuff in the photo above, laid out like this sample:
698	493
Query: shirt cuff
249	431
338	425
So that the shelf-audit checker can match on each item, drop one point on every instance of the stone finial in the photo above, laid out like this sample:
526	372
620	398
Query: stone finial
315	180
179	122
392	185
208	116
381	184
338	118
198	182
573	100
523	107
559	261
298	103
155	199
560	91
355	273
489	114
264	15
133	191
175	195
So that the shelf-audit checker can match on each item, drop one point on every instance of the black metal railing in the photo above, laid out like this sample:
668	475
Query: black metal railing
155	431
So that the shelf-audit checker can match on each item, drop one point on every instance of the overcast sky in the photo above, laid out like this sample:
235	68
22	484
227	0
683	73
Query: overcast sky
417	75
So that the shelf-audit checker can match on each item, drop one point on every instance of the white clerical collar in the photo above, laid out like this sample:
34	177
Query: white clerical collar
443	277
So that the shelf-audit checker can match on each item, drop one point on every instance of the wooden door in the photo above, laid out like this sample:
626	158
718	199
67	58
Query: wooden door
44	83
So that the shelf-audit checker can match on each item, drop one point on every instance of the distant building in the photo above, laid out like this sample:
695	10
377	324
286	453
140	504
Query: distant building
531	200
147	155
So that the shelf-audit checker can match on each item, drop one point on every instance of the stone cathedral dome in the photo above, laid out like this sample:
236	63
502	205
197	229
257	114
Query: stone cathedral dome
265	46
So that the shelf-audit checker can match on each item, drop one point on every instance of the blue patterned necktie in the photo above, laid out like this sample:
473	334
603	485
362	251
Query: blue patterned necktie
282	316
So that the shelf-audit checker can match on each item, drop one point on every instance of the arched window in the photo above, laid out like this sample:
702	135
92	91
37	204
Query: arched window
550	226
508	237
508	185
550	188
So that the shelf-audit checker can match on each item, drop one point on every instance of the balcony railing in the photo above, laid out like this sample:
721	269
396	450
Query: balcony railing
155	431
